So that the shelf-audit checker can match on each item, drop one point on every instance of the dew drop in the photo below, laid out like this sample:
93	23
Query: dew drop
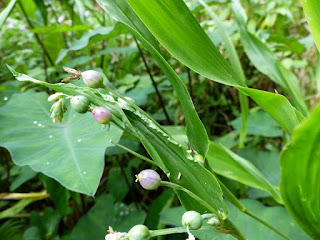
48	163
35	122
84	172
5	98
39	125
50	136
79	140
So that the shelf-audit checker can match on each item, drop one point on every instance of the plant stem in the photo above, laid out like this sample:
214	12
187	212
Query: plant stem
134	153
228	195
36	35
18	196
167	231
103	43
153	83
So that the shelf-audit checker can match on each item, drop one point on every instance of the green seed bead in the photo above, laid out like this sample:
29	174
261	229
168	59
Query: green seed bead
80	104
192	219
139	232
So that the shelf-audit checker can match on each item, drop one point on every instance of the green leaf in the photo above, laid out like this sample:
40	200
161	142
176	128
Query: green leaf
59	29
312	9
16	208
276	216
121	11
179	32
173	25
194	177
25	173
71	152
105	213
300	175
98	34
6	12
226	163
266	62
259	124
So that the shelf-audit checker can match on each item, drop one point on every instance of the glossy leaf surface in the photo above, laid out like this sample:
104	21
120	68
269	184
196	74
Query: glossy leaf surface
6	12
72	152
312	9
300	175
121	11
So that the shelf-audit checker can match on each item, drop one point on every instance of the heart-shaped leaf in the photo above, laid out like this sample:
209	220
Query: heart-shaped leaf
72	152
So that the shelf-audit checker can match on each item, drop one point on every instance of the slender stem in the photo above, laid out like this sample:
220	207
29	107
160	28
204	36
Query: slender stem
244	106
56	17
133	153
36	35
167	231
190	83
153	83
103	43
18	196
237	204
265	223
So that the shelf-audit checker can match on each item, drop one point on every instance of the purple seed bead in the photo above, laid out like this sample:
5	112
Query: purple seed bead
149	179
101	115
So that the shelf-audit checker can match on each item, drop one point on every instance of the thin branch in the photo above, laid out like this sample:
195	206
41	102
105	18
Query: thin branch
153	83
36	35
190	83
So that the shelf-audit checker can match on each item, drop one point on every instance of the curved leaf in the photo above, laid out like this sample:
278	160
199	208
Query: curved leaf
171	22
300	175
6	12
71	152
121	11
312	9
226	163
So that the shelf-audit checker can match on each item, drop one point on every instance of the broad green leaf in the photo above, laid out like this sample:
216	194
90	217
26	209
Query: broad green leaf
276	216
312	9
173	25
300	175
71	152
179	32
259	124
226	163
121	11
194	177
105	213
6	12
268	162
277	106
266	62
98	34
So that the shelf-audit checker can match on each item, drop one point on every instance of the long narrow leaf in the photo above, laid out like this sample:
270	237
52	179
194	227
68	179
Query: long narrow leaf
6	12
121	11
300	175
196	52
312	9
228	164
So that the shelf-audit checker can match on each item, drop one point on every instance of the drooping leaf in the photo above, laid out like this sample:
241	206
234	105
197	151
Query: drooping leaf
59	29
266	61
300	175
16	208
226	163
311	9
181	34
6	12
193	176
71	152
105	213
121	11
